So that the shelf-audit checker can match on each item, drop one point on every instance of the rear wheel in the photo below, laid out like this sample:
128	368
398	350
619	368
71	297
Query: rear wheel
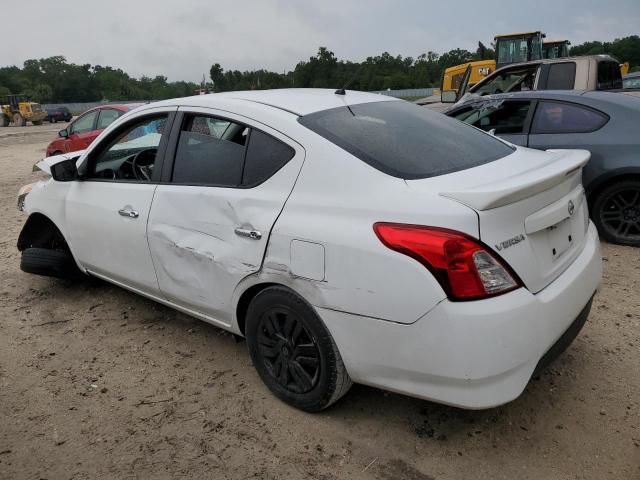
293	351
4	121
616	212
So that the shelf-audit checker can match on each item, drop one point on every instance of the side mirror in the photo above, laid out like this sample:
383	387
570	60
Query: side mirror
65	171
448	96
64	133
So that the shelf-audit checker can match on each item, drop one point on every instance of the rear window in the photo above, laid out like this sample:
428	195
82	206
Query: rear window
404	140
562	76
609	76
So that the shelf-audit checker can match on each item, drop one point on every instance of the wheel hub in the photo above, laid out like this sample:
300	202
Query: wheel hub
289	352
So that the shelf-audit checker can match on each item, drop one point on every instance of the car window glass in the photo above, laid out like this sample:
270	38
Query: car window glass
633	82
556	117
516	80
501	116
210	152
404	140
265	156
84	123
562	76
131	155
107	116
609	76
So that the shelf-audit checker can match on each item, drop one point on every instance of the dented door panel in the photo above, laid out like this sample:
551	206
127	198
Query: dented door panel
198	256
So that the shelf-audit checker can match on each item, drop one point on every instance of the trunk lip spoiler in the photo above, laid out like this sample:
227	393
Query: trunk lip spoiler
560	165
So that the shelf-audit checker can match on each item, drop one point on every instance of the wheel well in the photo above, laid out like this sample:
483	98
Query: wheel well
40	231
245	300
593	194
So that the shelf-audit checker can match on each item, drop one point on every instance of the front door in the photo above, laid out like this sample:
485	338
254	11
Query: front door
107	211
210	223
81	132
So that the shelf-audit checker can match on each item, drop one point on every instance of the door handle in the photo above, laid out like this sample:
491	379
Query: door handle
245	232
125	212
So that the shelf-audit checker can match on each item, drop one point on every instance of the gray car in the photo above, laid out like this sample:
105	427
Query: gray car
605	123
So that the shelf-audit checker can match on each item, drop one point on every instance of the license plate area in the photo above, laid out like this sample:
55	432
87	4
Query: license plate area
560	238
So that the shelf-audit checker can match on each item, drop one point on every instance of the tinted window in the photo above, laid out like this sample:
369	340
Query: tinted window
84	123
210	152
562	76
107	116
404	140
265	156
633	82
503	116
555	117
609	76
131	155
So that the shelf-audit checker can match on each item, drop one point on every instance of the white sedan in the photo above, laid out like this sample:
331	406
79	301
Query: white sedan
350	237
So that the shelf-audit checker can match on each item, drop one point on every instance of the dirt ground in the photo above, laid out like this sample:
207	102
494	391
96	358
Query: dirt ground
96	382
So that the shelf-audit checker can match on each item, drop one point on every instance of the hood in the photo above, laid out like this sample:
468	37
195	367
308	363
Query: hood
46	163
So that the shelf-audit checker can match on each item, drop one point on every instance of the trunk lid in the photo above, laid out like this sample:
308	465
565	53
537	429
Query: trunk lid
531	209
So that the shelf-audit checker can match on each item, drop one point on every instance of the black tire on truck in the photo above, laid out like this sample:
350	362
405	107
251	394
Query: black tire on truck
49	263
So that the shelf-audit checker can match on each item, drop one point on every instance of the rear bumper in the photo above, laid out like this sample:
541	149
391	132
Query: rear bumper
471	354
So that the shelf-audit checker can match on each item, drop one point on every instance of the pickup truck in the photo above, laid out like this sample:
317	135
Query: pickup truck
591	72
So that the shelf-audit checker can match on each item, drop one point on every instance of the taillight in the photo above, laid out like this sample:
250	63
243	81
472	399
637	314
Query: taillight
465	269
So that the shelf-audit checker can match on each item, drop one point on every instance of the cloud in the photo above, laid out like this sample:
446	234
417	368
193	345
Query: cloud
182	39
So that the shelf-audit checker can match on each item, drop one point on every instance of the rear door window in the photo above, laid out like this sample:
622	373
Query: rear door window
404	140
502	116
210	152
557	117
609	76
562	76
106	118
265	156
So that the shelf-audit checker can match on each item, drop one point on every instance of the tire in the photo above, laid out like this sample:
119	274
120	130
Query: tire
282	327
616	212
18	120
4	121
49	263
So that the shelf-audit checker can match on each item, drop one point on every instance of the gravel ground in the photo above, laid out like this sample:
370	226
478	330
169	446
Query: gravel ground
96	382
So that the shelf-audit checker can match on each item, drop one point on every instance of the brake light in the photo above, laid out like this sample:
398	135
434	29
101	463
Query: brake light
465	269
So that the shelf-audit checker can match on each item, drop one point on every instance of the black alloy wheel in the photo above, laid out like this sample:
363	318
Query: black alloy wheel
617	212
292	350
289	352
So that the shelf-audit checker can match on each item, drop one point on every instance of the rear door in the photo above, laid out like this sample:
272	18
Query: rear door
508	119
211	218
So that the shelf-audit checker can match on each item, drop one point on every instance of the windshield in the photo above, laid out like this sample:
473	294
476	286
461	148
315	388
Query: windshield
404	140
516	50
511	80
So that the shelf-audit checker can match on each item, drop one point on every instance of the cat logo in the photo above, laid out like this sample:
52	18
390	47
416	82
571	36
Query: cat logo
484	71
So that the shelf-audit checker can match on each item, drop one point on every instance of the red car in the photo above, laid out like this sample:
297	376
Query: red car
84	129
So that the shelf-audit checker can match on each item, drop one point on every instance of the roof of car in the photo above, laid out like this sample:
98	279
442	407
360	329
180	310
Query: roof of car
613	97
298	101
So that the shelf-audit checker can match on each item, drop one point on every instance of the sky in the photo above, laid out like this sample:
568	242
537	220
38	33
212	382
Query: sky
181	39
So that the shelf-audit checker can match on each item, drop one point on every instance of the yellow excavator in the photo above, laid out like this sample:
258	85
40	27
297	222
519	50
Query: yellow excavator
19	109
510	48
555	48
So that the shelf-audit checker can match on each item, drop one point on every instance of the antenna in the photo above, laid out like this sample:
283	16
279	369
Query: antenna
342	91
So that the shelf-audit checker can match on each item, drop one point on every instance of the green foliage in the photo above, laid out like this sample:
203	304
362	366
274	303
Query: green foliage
54	80
625	49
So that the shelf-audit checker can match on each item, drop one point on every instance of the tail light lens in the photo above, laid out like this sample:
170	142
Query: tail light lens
465	269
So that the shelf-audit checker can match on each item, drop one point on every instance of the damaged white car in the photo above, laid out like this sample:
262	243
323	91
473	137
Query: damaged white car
349	237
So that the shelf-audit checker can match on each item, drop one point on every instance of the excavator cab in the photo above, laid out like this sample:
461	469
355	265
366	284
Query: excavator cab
518	47
555	48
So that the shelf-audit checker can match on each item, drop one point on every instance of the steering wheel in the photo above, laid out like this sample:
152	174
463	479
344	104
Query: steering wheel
142	171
